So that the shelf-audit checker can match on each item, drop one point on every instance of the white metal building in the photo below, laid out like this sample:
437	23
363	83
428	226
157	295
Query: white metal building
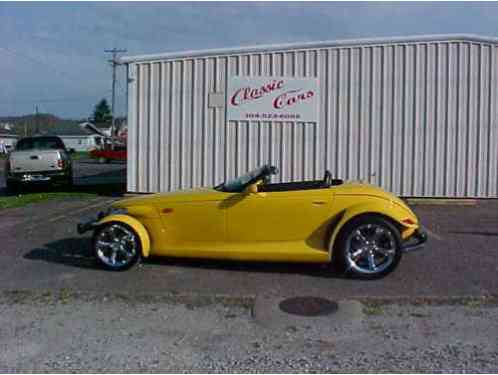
415	115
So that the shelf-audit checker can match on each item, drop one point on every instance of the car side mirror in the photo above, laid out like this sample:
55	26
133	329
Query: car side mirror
251	189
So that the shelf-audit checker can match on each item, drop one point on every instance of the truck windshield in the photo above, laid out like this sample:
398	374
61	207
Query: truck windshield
42	143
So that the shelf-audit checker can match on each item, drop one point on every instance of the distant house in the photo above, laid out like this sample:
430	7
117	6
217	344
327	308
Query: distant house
77	137
105	128
8	138
96	128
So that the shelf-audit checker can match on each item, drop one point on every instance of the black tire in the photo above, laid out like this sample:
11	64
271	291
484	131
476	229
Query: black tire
69	181
12	187
119	267
64	184
343	256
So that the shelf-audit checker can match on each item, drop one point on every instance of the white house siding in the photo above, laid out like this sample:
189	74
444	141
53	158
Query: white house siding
416	116
79	143
8	140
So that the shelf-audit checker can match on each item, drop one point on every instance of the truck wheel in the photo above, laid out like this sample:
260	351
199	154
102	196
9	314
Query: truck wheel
68	183
368	247
12	188
116	246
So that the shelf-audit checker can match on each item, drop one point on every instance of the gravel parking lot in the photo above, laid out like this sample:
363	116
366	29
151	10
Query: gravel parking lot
60	332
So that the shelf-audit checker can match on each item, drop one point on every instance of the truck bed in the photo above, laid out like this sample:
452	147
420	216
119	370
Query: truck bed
35	161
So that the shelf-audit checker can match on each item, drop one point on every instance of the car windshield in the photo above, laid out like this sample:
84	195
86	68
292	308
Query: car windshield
238	184
42	143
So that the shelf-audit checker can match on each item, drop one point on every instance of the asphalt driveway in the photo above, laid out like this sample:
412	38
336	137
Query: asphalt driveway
41	249
87	172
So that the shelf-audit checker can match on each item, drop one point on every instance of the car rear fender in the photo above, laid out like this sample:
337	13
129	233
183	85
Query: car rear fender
389	210
136	225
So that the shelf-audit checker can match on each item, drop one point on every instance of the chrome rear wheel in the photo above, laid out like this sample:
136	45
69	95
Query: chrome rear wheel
116	246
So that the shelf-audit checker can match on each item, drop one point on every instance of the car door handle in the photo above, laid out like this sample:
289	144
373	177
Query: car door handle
318	203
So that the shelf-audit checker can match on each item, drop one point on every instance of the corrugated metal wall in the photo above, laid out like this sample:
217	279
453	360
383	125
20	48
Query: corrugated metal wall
418	119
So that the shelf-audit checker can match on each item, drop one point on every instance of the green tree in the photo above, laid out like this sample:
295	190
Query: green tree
102	112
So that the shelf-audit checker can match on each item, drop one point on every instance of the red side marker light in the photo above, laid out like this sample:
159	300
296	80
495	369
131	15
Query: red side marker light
409	221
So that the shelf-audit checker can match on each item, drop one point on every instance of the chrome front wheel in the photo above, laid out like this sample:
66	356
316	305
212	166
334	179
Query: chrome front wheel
116	246
369	246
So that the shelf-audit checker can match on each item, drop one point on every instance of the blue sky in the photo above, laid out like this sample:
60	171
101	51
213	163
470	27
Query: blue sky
51	54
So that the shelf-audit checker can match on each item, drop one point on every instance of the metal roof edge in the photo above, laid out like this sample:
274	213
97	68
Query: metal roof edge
305	45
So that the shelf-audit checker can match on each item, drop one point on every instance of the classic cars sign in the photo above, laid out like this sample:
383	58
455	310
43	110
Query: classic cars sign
273	99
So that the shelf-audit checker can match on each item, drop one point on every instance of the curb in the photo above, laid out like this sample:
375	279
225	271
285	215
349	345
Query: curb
440	202
65	295
464	300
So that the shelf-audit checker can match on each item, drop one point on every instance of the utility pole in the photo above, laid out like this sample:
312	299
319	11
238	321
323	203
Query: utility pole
36	121
114	63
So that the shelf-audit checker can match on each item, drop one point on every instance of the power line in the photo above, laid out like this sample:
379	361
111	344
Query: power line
36	61
63	74
56	100
67	76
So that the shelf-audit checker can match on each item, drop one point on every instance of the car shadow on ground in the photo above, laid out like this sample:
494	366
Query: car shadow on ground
307	269
76	252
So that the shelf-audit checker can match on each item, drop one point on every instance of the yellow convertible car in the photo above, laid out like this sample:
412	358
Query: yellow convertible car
361	228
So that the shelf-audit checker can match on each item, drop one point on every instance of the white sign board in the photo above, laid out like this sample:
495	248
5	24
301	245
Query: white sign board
273	99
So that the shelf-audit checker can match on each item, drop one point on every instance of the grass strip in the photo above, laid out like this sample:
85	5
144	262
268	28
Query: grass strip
22	200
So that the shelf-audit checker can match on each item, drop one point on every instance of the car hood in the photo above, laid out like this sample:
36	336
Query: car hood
187	195
361	188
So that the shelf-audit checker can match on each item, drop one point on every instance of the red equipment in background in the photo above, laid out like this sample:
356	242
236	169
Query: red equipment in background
107	153
113	148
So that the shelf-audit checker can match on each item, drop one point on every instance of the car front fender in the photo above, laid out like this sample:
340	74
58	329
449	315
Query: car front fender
136	225
390	210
